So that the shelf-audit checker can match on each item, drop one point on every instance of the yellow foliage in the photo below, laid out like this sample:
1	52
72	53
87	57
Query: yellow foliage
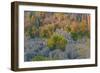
74	26
50	43
47	30
57	41
83	26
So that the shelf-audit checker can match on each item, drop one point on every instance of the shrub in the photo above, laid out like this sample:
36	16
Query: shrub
74	26
56	41
83	26
79	35
31	32
87	34
46	30
67	28
39	58
76	35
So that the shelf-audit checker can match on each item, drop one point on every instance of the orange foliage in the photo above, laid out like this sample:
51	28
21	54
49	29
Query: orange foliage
74	26
83	25
88	22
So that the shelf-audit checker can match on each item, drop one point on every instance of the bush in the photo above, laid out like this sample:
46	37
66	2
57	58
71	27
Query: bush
74	35
56	42
46	30
79	35
32	32
67	28
39	58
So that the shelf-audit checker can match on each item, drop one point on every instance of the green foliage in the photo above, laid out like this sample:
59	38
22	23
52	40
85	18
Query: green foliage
87	34
31	31
37	22
74	36
57	42
79	35
67	29
39	58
